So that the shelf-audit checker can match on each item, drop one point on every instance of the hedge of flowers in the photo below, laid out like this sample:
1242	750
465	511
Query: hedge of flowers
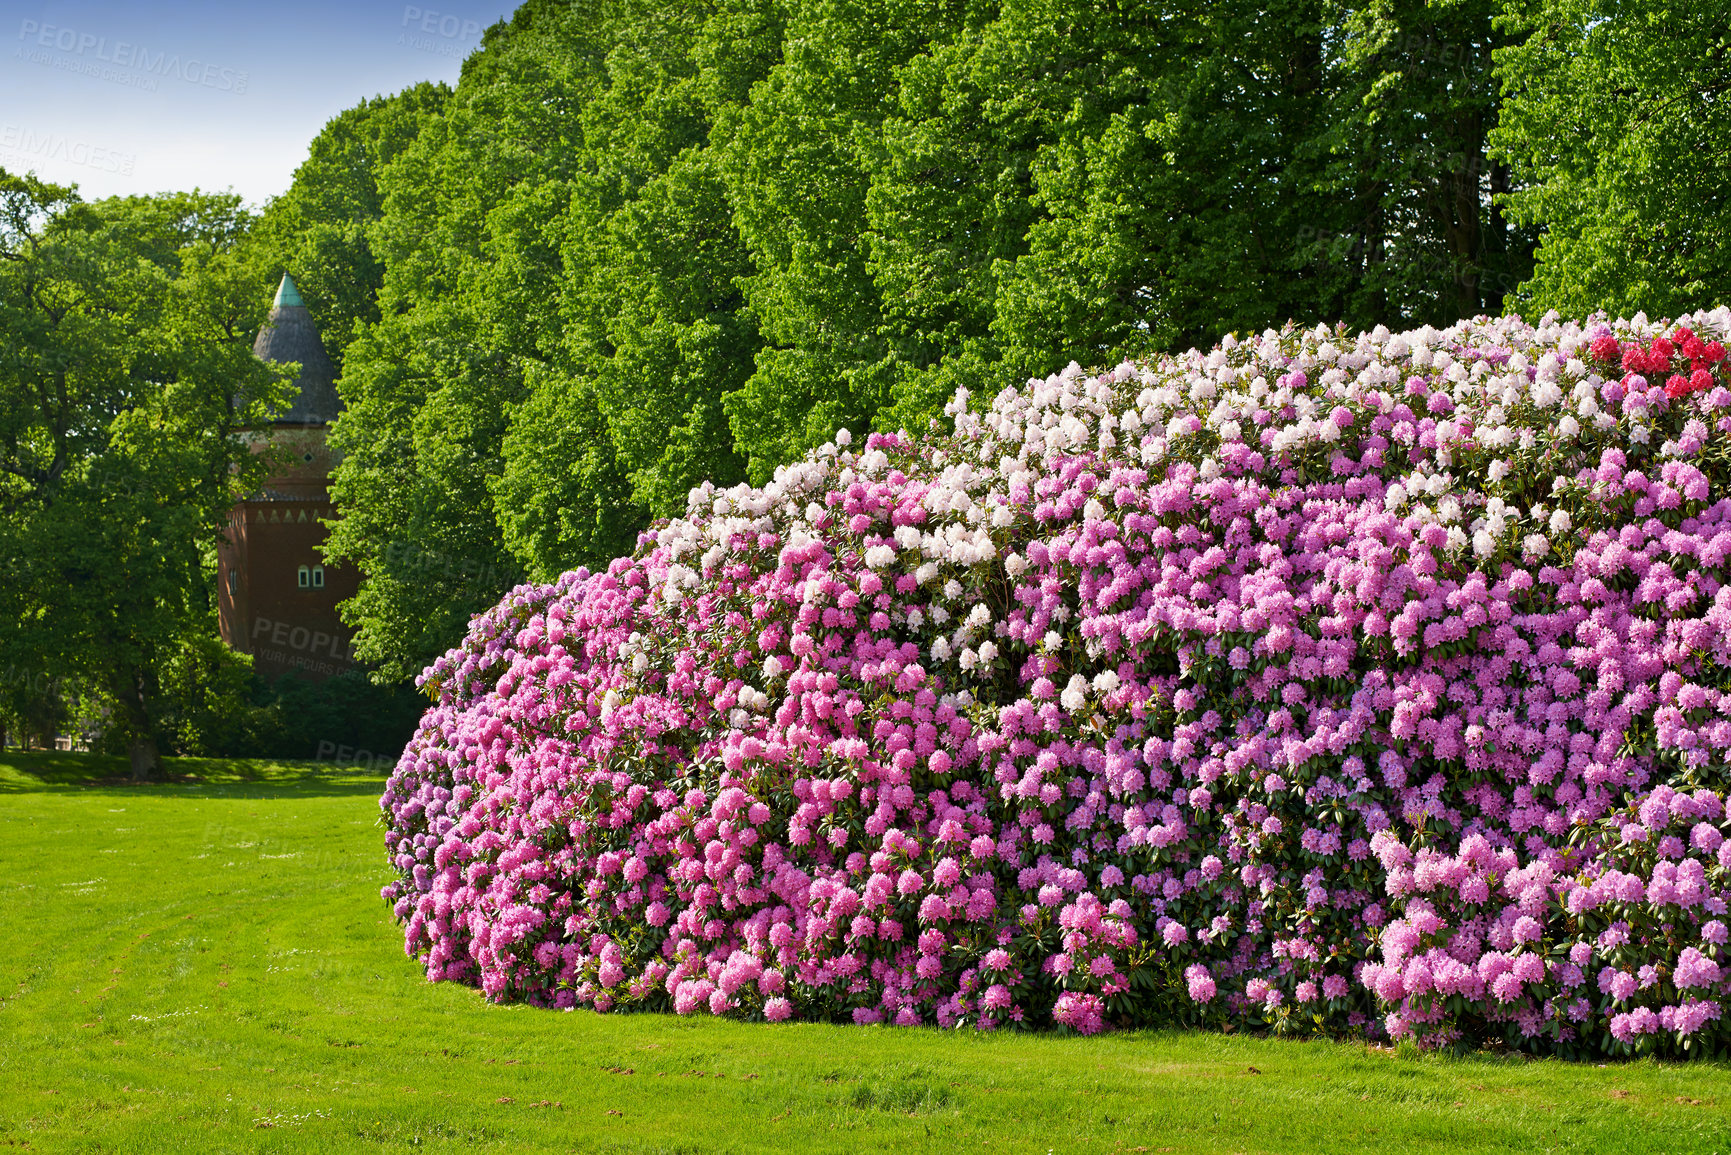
1354	683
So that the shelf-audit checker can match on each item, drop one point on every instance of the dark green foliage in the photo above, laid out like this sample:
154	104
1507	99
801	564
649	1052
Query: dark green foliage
35	706
205	707
344	718
125	379
1416	235
214	706
210	704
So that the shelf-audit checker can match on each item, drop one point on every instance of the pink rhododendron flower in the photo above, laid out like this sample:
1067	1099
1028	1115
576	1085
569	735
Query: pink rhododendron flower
1246	654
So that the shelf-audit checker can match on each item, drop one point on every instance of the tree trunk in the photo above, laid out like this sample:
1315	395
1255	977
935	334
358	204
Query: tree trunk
141	747
1464	220
1497	239
145	762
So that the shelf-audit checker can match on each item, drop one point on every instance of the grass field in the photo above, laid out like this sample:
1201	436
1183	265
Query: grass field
205	965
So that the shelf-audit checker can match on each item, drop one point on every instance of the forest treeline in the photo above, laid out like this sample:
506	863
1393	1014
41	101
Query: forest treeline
645	243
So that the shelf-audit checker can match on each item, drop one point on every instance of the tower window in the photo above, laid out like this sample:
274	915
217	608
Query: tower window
318	577
304	577
233	580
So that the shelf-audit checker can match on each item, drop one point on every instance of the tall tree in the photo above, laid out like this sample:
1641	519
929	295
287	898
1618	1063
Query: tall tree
560	316
320	229
126	377
655	317
430	388
1416	231
1616	122
1087	182
795	160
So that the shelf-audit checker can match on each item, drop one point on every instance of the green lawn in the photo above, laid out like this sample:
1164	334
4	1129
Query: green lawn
205	965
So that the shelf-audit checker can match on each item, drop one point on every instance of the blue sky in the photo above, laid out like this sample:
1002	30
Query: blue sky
156	95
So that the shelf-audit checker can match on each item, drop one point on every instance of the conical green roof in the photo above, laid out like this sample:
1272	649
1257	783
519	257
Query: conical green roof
290	335
286	293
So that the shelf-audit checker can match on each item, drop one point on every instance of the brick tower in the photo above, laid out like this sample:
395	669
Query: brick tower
276	596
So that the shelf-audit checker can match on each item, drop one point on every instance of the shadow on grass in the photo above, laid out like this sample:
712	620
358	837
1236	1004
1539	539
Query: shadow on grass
51	771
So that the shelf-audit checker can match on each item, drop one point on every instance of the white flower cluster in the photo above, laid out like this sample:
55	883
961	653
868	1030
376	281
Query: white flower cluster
1496	400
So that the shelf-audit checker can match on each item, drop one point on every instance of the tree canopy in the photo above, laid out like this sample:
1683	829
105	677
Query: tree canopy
126	376
1617	122
644	244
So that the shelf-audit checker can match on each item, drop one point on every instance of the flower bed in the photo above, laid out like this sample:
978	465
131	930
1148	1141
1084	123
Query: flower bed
1347	683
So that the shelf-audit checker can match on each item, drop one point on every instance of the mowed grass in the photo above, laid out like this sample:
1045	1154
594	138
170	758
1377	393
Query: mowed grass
205	965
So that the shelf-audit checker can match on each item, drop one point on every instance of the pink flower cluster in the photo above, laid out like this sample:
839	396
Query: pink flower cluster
1359	683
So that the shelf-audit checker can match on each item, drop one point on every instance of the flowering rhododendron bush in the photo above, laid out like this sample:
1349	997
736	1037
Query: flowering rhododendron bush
1360	683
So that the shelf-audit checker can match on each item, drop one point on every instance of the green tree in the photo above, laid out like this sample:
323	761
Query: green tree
656	324
646	243
944	195
126	378
429	389
319	230
560	315
794	157
1617	124
1416	231
1087	182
